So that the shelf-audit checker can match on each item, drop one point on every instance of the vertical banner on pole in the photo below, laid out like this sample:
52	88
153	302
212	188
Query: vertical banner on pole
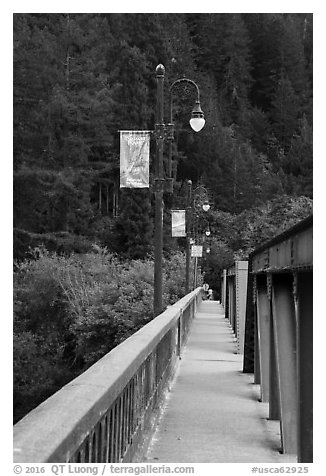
134	159
178	223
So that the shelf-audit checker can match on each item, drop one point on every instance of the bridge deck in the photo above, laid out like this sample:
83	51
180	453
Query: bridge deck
212	413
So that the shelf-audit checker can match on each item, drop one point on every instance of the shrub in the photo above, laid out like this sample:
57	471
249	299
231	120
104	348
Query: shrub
38	370
69	311
59	242
174	278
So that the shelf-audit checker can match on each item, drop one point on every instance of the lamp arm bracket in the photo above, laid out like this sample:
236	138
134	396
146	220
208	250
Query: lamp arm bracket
178	81
184	80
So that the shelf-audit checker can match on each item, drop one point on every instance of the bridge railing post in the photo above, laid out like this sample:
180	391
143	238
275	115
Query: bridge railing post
235	300
284	324
263	335
274	392
223	289
305	366
250	324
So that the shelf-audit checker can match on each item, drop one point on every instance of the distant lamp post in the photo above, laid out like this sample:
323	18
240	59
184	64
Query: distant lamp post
165	132
189	241
192	205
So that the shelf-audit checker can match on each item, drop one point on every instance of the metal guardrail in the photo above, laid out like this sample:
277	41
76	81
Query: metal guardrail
279	333
101	416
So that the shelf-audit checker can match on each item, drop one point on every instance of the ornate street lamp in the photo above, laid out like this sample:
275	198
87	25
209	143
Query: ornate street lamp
196	122
163	132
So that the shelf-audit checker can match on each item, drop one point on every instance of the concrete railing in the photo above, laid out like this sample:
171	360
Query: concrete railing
102	415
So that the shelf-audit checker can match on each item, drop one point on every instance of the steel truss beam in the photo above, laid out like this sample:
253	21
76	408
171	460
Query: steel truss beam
279	334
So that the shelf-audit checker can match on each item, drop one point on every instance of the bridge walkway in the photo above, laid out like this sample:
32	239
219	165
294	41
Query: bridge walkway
212	413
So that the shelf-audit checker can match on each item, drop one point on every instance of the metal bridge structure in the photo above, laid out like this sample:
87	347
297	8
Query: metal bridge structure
208	358
279	333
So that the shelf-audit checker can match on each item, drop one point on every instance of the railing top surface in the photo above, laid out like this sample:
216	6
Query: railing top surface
82	402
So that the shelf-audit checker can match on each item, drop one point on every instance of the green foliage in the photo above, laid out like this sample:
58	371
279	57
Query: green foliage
285	111
221	256
79	78
50	201
135	224
234	236
174	274
249	229
69	311
297	165
38	370
60	242
273	218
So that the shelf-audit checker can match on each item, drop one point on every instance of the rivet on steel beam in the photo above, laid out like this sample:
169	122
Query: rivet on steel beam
269	285
254	289
295	286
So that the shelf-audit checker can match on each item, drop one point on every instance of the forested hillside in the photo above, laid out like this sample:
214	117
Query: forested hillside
83	249
80	78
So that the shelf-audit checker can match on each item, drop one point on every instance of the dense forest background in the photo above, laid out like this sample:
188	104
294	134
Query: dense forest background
78	80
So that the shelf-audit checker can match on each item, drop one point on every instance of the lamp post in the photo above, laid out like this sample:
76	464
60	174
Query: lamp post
158	190
188	219
163	132
191	205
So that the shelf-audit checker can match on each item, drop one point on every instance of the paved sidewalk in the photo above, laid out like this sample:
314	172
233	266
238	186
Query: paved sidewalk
212	414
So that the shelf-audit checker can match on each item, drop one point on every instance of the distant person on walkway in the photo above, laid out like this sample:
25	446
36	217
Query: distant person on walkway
210	294
206	288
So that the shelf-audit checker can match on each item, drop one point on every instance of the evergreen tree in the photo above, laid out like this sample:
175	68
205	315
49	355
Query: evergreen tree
79	78
285	112
256	127
223	50
293	61
298	164
237	79
134	225
265	32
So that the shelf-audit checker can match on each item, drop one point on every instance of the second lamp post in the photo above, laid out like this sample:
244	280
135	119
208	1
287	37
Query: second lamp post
191	211
163	132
